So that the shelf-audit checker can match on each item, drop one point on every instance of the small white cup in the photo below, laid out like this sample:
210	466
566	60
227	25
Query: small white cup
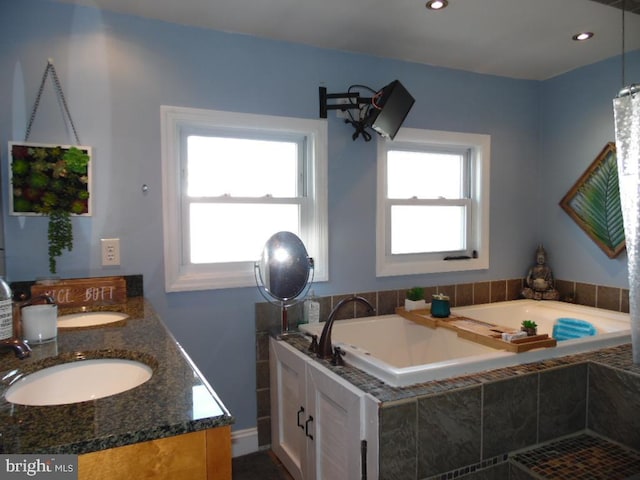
40	323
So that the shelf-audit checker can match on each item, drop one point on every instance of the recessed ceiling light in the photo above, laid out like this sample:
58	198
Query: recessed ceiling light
582	36
436	4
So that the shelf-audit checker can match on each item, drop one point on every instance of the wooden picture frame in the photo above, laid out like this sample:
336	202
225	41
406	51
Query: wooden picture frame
594	203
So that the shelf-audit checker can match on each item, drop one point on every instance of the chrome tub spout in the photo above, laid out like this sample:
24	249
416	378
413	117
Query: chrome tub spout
325	348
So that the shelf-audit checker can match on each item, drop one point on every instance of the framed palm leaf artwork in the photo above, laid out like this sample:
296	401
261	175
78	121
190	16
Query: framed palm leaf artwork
594	203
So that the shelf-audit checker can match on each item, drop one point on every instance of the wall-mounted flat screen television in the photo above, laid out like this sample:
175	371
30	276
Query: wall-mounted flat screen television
390	107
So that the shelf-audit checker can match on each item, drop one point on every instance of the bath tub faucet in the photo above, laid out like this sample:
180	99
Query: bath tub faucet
325	349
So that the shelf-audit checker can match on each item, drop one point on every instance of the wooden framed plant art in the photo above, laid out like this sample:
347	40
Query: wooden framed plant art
594	203
54	181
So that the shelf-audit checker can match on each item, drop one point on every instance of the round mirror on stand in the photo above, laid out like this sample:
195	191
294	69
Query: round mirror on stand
284	272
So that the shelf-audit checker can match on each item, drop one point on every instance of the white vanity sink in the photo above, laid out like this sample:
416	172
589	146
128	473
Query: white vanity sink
78	382
90	319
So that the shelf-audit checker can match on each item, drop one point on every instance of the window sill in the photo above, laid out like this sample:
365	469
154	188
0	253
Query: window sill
388	269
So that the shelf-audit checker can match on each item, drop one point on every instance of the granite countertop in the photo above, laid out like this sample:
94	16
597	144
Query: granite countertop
176	400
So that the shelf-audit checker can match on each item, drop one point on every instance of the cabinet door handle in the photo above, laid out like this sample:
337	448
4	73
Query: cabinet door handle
363	459
298	421
306	427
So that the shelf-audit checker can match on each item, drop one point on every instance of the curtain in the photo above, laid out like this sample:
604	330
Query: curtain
627	125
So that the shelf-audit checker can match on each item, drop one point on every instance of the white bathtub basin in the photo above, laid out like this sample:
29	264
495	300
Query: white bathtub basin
400	352
90	319
78	381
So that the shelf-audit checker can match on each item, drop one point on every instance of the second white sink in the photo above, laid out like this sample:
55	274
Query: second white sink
90	319
78	382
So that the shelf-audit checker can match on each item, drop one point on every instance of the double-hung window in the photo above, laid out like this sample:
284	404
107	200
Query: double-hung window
433	202
231	181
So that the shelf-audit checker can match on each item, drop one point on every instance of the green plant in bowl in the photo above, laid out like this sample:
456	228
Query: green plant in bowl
415	299
530	327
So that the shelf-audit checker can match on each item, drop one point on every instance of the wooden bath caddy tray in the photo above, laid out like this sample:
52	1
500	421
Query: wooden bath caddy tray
477	331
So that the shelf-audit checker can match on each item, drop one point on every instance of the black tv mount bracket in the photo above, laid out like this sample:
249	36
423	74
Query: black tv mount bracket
355	100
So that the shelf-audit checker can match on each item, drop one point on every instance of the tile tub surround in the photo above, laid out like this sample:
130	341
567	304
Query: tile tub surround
162	407
268	318
443	429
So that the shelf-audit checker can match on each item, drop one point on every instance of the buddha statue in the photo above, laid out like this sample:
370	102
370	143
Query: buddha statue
540	279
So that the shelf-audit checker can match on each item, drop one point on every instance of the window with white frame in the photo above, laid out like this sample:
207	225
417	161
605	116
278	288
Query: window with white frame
433	202
230	181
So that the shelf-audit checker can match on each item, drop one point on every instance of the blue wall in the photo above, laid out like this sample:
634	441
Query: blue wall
116	72
576	122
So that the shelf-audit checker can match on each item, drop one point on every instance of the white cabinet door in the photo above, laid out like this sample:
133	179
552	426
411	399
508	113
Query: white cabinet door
335	407
319	420
288	406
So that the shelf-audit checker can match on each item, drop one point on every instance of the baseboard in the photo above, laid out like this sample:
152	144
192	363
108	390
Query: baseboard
244	442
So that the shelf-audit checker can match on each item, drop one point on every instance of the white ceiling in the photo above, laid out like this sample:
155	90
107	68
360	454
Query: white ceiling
529	39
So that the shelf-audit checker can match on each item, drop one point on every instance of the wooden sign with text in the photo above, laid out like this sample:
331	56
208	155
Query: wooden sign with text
85	291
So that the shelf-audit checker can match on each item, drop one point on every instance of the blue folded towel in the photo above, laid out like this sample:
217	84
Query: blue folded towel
568	328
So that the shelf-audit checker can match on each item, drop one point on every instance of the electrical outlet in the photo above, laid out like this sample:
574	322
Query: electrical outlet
110	252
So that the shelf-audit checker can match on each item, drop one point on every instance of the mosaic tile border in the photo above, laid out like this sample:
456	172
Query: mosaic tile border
469	469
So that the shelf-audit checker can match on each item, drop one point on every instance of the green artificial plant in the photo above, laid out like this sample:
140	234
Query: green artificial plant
52	181
415	294
530	327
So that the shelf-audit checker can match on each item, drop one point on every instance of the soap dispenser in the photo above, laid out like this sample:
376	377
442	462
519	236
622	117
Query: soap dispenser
6	311
311	309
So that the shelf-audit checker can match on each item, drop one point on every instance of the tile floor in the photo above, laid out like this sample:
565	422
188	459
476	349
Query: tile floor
263	465
580	457
583	456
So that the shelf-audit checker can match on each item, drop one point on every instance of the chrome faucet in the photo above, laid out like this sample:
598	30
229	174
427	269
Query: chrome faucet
325	349
20	348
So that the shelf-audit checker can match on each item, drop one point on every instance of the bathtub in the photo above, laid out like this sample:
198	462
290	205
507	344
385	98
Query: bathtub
400	352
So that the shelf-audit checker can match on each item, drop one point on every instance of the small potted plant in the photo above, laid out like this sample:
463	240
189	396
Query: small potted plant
415	299
530	327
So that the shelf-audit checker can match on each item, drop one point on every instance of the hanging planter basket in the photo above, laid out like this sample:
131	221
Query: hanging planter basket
52	180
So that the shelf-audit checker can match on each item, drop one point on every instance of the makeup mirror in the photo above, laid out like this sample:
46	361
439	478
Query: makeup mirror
284	272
